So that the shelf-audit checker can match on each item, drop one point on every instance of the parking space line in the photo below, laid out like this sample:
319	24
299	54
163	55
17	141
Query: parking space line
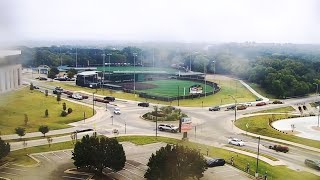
135	166
132	172
67	153
70	177
45	157
139	162
56	155
223	171
9	173
231	175
117	173
16	169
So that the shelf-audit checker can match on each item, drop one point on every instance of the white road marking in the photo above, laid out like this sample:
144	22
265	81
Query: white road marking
56	155
117	173
9	173
45	157
70	177
133	172
67	153
135	166
15	169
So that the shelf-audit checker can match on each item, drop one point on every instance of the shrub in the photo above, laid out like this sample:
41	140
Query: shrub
46	113
64	113
69	110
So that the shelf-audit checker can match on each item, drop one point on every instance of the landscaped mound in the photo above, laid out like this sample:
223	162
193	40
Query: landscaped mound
165	113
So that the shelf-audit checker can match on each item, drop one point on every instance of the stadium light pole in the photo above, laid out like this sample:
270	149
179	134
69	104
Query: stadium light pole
104	70
134	73
109	54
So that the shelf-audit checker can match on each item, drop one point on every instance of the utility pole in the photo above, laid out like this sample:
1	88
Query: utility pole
93	103
235	108
257	167
104	69
178	96
109	54
156	107
76	57
134	73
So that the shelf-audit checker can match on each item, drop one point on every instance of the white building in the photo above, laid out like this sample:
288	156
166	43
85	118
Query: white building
10	70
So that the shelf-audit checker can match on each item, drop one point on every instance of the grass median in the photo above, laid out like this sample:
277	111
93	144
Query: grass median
240	161
287	109
260	125
16	104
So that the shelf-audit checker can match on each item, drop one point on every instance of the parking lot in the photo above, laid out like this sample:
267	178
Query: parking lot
58	165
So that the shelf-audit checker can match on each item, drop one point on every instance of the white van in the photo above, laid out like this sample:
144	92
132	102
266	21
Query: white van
116	110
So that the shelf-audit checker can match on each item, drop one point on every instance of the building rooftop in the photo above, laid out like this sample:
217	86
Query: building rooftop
88	73
4	53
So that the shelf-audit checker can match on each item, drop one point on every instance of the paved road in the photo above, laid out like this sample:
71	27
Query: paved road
211	127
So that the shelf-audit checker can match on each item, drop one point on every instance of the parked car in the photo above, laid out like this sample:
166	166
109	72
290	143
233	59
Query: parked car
100	100
143	104
57	90
215	162
235	141
261	104
109	98
116	110
35	87
315	164
215	108
167	127
42	78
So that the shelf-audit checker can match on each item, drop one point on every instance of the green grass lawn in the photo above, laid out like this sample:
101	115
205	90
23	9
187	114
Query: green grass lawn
240	161
260	90
170	87
228	87
277	110
259	125
15	104
254	152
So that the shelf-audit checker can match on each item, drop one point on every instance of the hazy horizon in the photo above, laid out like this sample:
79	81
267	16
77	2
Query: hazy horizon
266	21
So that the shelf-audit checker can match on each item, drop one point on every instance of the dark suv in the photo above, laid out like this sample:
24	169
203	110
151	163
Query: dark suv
215	108
143	104
57	90
109	98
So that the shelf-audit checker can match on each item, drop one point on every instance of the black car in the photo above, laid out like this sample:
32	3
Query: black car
143	104
231	107
58	90
315	164
215	108
35	87
215	162
82	130
109	98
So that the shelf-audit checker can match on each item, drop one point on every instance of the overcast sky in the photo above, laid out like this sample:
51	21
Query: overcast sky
295	21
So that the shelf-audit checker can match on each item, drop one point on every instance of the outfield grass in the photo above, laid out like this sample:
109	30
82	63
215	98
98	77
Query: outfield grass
240	161
277	110
259	125
15	104
228	87
170	87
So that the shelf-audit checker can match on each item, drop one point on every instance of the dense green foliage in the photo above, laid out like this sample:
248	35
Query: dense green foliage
44	129
98	153
4	148
176	162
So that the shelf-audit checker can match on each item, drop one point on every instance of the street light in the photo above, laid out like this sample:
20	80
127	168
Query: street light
156	108
134	73
235	108
257	167
109	54
214	68
104	70
93	103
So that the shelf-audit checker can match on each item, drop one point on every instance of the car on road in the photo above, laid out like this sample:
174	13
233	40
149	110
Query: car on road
261	104
116	110
83	130
315	164
277	102
143	104
235	141
215	162
35	87
76	96
42	78
168	127
241	107
109	98
57	90
215	108
231	107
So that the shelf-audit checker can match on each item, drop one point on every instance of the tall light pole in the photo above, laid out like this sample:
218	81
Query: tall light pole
257	166
235	108
76	57
109	54
93	103
134	73
214	68
104	70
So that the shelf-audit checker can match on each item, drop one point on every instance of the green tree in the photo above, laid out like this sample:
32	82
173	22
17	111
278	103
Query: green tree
175	162
98	153
53	72
46	93
31	86
26	119
44	129
46	113
4	148
58	98
64	106
71	73
20	131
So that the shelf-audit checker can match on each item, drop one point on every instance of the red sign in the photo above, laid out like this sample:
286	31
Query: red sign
185	127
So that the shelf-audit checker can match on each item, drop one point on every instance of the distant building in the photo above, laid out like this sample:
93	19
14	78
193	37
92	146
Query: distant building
10	70
87	79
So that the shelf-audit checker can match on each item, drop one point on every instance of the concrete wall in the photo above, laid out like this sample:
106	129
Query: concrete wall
10	77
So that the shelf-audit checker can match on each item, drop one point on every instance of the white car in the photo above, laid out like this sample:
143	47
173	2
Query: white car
235	141
77	96
116	110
